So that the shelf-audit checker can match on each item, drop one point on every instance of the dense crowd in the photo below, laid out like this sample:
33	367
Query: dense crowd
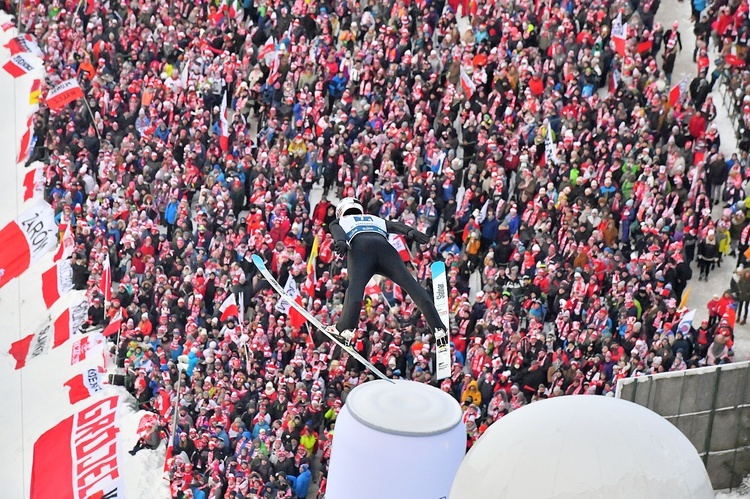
565	190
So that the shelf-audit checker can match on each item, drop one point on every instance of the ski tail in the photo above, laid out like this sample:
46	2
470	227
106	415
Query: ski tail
313	320
442	338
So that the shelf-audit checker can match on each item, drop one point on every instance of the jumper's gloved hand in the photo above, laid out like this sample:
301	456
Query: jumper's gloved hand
340	247
417	236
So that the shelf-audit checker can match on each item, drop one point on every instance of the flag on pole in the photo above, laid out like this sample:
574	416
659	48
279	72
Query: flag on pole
296	319
107	279
67	243
618	29
63	94
398	242
313	255
57	281
686	322
83	386
290	288
678	92
467	84
267	51
224	137
229	308
684	300
372	288
113	327
19	65
25	240
550	146
619	34
33	183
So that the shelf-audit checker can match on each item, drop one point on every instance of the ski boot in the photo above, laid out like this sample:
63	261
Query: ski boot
441	338
345	336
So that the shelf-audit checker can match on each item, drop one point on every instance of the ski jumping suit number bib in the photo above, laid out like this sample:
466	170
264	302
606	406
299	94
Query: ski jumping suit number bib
357	224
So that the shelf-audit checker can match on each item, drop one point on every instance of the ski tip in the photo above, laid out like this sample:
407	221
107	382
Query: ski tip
258	262
437	268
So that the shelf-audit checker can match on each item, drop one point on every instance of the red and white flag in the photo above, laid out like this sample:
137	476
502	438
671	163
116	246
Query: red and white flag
23	44
33	345
107	279
620	40
224	137
236	12
81	347
274	69
25	240
78	458
229	308
25	147
398	242
678	92
57	281
33	183
372	288
71	320
19	65
290	288
83	386
267	51
67	243
467	84
63	94
113	327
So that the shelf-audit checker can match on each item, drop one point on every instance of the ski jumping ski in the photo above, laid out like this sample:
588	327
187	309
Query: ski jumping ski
312	320
440	297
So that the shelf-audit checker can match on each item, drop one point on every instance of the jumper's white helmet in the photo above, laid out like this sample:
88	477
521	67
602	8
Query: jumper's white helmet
349	206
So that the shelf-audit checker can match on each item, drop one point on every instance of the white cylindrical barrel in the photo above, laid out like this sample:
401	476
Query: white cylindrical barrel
396	440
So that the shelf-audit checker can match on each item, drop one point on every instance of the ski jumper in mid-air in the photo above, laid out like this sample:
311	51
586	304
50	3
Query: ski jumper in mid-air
364	238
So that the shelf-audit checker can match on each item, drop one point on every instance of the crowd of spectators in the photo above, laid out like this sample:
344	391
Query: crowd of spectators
565	191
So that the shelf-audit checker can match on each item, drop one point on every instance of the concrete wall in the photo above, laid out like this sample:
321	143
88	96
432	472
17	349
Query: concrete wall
711	406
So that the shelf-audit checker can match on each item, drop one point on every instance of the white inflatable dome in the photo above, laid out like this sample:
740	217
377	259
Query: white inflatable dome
582	447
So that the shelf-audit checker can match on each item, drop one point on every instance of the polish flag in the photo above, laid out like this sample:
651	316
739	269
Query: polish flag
57	281
296	318
113	327
25	149
33	345
81	347
224	137
106	283
274	68
620	39
83	386
33	183
309	285
229	308
23	44
235	11
677	92
19	65
25	240
63	94
267	51
71	321
398	242
67	244
372	288
467	84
